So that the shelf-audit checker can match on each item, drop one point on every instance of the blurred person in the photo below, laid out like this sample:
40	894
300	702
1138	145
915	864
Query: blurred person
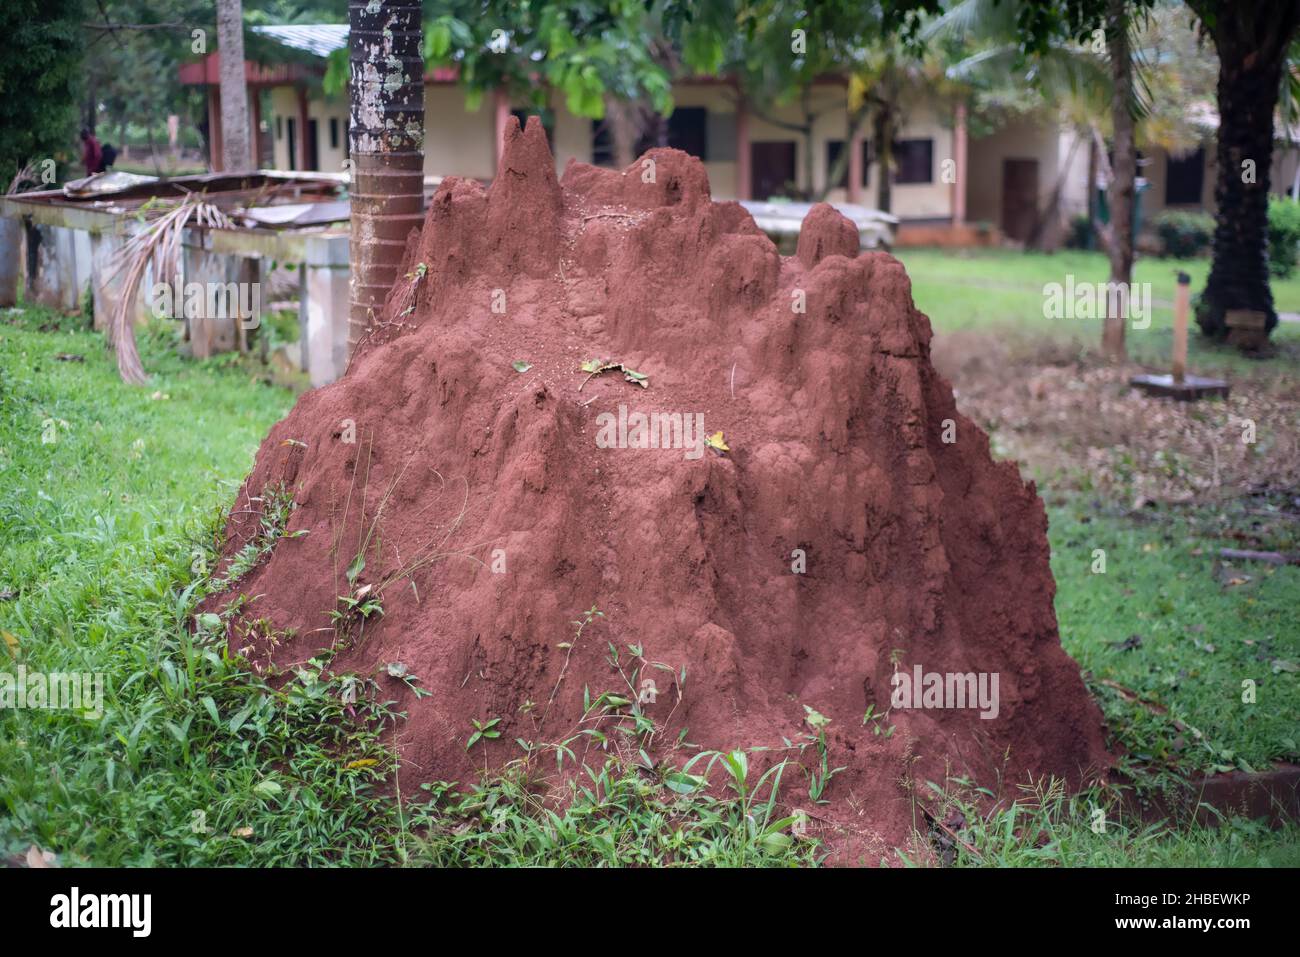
92	155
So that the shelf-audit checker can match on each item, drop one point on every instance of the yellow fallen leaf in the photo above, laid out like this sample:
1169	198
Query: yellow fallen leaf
361	763
244	832
716	442
11	643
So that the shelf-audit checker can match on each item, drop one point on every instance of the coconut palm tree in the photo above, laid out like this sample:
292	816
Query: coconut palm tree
235	151
1253	41
386	132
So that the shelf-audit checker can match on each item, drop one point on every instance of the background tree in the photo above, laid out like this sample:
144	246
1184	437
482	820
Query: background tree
40	83
1122	188
1252	40
777	51
587	53
881	76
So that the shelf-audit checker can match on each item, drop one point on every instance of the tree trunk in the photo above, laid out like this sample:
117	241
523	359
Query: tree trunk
836	172
1043	234
387	138
235	154
809	145
1092	187
1124	172
883	139
623	120
1252	41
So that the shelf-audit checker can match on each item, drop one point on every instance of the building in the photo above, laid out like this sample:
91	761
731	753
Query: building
1023	181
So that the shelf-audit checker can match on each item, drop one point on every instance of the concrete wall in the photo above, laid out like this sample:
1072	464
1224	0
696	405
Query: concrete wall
284	104
322	111
59	266
457	142
1026	139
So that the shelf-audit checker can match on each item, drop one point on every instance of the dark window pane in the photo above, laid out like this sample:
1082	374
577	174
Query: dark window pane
1184	179
688	131
834	148
334	132
602	144
914	161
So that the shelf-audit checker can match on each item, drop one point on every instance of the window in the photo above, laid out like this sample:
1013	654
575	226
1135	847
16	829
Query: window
833	150
279	127
602	144
914	161
1184	179
334	132
688	131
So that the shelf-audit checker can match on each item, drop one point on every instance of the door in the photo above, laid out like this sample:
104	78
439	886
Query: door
1019	198
313	160
772	167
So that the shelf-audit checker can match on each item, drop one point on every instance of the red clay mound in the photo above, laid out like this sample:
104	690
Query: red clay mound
857	526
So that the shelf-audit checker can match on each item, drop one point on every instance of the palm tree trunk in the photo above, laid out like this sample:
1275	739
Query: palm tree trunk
387	139
1124	174
1251	40
235	154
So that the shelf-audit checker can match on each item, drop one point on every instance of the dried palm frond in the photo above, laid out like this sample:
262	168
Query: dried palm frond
25	175
159	243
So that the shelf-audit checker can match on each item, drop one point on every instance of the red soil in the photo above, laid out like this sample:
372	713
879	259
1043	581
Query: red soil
924	551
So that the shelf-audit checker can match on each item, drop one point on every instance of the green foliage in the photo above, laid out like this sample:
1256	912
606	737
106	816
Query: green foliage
106	538
1079	234
1184	235
585	51
40	83
1283	236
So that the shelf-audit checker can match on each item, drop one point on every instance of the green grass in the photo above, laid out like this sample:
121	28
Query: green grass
107	528
1045	828
1197	638
108	508
990	288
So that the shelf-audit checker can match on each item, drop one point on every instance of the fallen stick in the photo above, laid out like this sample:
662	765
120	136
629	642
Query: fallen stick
1273	558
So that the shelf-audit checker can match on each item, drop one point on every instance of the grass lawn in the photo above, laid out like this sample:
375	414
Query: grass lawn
989	288
110	503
